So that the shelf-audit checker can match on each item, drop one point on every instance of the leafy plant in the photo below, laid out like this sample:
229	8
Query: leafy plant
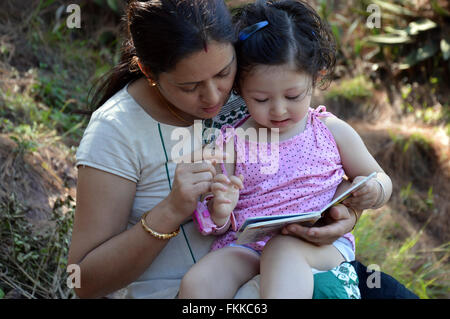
114	5
34	260
420	37
24	136
430	198
406	192
358	87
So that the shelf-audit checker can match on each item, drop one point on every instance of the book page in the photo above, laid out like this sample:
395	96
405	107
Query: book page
256	228
257	231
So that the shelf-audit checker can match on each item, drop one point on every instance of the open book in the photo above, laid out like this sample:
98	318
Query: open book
256	228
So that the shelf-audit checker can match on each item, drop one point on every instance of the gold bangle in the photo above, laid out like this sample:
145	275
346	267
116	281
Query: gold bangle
356	215
155	233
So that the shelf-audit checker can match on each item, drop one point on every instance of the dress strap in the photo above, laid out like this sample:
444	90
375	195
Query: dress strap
317	125
226	133
321	111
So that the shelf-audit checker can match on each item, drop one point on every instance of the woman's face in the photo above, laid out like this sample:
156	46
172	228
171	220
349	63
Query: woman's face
200	84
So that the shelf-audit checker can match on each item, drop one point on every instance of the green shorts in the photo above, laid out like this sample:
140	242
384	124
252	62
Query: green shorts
340	282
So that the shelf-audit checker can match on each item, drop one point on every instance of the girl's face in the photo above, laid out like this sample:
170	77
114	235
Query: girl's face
276	96
201	83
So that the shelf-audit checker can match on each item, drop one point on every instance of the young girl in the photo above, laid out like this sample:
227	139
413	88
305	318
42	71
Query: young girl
284	49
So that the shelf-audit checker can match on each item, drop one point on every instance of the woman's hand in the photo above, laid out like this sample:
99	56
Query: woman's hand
338	221
191	180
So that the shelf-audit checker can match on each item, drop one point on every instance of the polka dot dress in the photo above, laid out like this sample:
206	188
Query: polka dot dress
303	178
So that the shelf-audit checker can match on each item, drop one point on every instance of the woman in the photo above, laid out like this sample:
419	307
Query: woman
177	66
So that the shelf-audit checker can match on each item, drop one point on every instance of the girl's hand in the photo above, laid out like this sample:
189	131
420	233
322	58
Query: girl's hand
365	196
226	194
192	180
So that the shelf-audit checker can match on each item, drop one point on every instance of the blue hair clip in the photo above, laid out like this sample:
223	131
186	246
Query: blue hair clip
248	31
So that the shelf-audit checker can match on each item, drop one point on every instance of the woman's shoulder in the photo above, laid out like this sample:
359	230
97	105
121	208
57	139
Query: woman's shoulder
120	106
121	117
119	121
114	137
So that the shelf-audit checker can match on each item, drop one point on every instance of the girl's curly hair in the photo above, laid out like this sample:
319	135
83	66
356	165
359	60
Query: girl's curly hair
295	34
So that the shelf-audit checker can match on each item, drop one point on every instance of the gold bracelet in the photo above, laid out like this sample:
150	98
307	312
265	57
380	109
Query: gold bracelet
356	215
155	233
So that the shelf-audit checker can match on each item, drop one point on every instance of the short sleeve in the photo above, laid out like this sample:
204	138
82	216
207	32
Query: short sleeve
107	146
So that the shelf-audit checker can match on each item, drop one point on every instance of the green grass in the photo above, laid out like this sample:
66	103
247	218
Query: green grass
28	121
56	91
38	109
423	272
351	89
33	260
405	142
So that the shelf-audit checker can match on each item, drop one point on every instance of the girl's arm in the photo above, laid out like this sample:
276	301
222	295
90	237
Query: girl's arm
225	189
358	163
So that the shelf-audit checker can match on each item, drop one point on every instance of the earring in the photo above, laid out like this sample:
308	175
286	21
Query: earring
151	82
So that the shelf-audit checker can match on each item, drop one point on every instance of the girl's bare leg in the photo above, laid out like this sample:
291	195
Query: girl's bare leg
219	274
286	264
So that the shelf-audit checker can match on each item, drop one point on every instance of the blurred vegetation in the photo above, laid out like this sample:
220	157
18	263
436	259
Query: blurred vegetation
376	244
34	259
403	68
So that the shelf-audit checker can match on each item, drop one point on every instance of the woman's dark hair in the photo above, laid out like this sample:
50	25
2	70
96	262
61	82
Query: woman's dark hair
295	33
160	33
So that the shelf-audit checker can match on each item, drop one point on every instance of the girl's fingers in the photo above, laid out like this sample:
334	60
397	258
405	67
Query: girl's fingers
222	178
366	188
221	200
369	197
218	187
362	204
237	181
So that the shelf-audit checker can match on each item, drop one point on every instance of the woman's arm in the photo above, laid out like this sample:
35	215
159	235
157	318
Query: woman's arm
110	255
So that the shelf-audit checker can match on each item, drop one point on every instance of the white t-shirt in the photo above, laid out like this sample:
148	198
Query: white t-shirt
124	140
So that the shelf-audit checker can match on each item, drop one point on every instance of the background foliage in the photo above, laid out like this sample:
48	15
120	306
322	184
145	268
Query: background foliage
391	84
